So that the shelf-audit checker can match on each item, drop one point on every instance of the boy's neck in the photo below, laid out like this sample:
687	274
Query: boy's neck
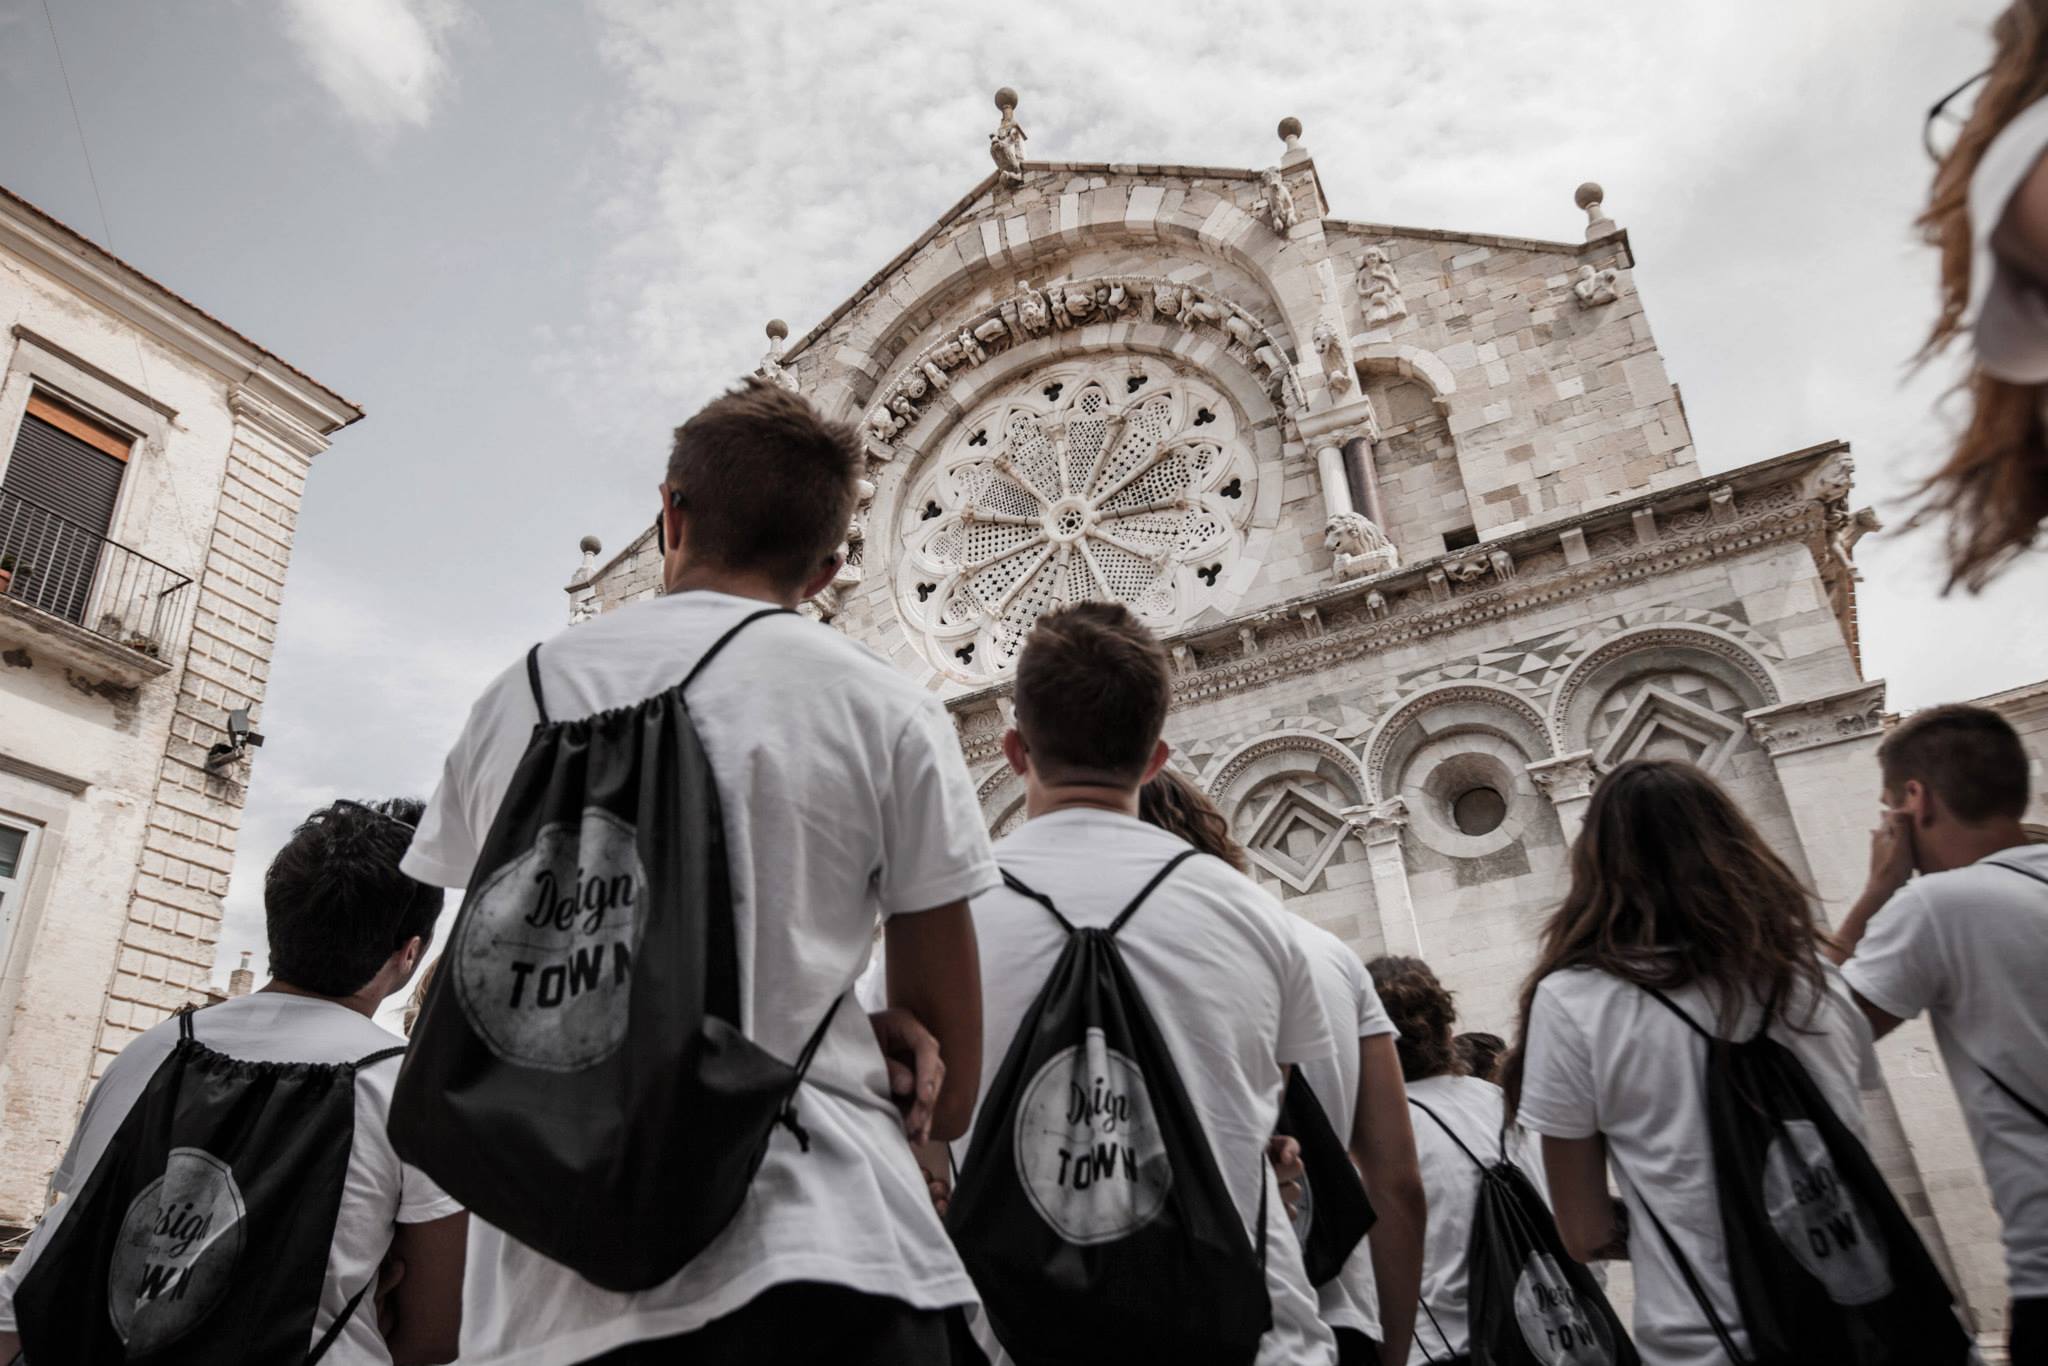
364	1002
1967	844
1043	801
689	578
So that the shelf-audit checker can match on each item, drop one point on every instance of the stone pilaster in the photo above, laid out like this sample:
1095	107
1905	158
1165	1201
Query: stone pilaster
1568	781
1381	825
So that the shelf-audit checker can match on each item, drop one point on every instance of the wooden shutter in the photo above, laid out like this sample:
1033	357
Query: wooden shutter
73	481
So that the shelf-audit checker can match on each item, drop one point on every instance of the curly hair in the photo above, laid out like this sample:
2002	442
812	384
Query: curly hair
1178	807
1424	1010
1993	490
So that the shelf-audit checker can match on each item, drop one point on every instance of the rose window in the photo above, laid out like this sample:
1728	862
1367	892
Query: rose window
1124	480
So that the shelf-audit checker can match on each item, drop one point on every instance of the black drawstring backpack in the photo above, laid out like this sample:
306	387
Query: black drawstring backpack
1528	1301
578	1077
1824	1264
1091	1214
1334	1213
202	1236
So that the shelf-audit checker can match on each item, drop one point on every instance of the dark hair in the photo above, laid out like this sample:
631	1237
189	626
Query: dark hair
765	482
1671	886
1423	1009
334	902
1174	804
1092	692
1969	757
1993	489
1481	1054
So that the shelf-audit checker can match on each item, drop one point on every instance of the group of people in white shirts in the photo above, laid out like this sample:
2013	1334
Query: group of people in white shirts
847	806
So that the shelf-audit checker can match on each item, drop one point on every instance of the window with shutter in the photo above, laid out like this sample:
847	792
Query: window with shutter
56	504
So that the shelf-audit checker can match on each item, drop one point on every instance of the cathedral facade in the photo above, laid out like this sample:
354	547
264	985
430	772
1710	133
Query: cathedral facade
1419	515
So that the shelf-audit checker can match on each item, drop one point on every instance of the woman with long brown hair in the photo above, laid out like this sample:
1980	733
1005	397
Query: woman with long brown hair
1987	215
1672	891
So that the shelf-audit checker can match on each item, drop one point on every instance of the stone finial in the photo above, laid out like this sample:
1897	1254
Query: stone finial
1006	144
590	545
1290	134
778	333
242	980
1591	198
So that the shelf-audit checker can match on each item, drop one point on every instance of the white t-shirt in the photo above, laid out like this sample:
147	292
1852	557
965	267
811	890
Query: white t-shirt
380	1191
1353	1011
1473	1108
845	797
1224	979
1603	1057
2007	310
1970	947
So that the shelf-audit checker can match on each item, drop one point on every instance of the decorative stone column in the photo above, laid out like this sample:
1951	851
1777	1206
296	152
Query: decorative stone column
1568	781
1336	487
1381	825
1825	752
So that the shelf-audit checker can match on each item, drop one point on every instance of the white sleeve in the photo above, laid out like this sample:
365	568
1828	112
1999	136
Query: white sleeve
420	1201
1558	1094
1898	966
935	847
1373	1020
451	833
1305	1034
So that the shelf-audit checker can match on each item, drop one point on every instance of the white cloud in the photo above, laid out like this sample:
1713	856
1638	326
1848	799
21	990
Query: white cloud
385	62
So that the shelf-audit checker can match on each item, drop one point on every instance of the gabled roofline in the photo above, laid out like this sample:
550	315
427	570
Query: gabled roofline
172	319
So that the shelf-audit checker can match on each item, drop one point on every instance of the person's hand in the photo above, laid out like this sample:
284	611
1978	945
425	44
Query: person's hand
940	1188
388	1276
1285	1155
915	1069
1891	854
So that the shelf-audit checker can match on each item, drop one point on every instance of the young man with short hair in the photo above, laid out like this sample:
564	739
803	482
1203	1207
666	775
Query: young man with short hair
1967	941
844	798
347	931
1212	956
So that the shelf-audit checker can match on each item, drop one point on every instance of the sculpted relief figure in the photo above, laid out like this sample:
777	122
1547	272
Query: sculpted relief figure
1845	529
1006	144
1276	201
1329	344
1033	312
1596	287
1380	288
1359	548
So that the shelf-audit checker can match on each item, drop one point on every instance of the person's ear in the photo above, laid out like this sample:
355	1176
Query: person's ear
1016	751
1918	801
671	519
1161	752
823	576
409	957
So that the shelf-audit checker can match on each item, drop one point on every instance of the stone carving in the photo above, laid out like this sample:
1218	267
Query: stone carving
1376	605
1592	199
1183	658
1467	571
1099	477
1381	822
1276	201
1439	584
771	367
1721	505
1845	529
1502	562
1359	548
1569	777
1311	622
1006	144
1380	288
1827	720
1066	304
1337	371
1248	640
1596	287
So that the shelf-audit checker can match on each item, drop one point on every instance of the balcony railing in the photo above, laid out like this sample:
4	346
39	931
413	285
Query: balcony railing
61	568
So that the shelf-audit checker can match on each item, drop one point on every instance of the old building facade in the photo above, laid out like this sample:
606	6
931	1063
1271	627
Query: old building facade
151	466
1420	517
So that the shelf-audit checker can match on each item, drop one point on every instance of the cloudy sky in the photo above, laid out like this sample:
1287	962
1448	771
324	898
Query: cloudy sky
529	238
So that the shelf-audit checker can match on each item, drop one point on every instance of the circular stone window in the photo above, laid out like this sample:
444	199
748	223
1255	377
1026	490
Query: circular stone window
1478	810
1121	479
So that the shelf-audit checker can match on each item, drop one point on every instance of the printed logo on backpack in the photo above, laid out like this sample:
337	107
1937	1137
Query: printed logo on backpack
1820	1219
1089	1152
177	1251
544	963
1552	1318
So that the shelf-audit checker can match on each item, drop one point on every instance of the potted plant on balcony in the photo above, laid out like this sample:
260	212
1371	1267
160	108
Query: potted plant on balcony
6	573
